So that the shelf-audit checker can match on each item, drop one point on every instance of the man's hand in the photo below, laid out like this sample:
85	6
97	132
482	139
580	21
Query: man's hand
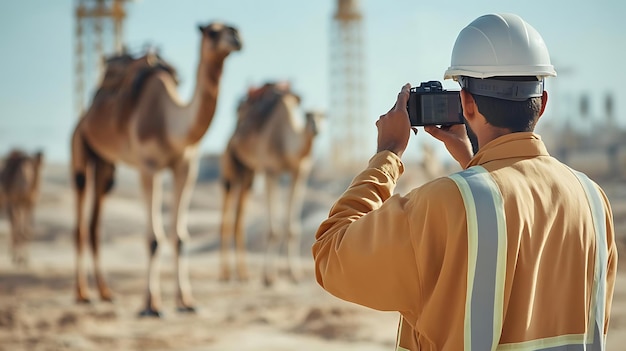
394	127
456	141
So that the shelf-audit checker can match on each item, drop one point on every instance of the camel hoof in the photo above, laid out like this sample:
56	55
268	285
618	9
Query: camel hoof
83	300
224	277
149	312
186	309
106	296
268	281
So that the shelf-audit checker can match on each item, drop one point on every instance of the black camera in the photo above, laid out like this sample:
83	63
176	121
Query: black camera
430	104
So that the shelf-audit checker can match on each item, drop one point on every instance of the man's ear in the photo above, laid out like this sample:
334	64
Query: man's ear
468	105
544	101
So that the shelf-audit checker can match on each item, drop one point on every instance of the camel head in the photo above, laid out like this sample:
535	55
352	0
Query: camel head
219	39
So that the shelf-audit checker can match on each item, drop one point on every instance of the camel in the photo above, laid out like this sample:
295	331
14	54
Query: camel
19	182
138	118
269	138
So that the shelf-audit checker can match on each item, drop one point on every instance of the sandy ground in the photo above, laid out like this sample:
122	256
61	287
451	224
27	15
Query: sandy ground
37	309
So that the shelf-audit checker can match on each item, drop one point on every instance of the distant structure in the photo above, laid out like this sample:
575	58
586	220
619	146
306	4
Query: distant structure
347	86
593	143
98	33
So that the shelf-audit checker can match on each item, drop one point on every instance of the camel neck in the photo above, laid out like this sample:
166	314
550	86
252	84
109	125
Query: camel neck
204	99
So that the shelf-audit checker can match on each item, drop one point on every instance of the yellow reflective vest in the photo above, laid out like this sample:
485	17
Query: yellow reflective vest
517	252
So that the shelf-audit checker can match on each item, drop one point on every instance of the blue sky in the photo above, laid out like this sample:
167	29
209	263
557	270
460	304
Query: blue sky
405	41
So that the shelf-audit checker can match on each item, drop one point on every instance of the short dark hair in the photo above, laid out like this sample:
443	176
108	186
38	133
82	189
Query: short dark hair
517	116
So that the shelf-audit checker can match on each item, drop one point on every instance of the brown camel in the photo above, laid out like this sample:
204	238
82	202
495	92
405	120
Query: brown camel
269	138
19	182
138	118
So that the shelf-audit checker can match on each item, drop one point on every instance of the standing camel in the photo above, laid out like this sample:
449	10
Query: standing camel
144	124
269	138
19	181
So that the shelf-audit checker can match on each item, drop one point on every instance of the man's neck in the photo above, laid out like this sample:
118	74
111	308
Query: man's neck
486	135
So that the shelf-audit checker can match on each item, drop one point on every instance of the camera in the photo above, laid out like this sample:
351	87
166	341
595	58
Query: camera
430	104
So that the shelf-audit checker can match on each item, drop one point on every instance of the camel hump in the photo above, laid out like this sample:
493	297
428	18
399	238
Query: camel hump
148	65
115	69
255	109
125	78
255	93
127	72
142	69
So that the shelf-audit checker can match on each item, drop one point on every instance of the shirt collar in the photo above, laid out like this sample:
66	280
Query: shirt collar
513	145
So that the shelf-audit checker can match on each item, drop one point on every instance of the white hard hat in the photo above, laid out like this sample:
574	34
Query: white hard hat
499	45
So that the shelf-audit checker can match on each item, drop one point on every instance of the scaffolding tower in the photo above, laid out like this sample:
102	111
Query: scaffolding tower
349	145
98	33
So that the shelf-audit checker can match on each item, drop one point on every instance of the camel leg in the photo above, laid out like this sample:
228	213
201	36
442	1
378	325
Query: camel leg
269	269
226	228
79	171
15	234
247	178
30	217
236	181
229	183
20	237
27	230
151	184
185	174
103	183
294	212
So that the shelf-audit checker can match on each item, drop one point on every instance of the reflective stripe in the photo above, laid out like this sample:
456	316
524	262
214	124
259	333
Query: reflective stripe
486	237
399	335
598	296
558	343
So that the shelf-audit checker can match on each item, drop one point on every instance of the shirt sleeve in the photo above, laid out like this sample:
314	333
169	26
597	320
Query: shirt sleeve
363	251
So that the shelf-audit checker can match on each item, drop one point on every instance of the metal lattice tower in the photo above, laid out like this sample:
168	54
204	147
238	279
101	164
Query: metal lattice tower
98	33
347	86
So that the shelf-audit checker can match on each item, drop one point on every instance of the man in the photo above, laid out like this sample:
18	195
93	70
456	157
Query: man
516	252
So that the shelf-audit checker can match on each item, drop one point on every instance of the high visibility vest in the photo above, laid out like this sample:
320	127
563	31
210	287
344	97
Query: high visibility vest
486	273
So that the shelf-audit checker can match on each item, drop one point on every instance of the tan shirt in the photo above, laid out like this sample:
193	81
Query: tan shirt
409	253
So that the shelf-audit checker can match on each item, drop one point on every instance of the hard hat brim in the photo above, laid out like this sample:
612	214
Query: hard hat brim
498	71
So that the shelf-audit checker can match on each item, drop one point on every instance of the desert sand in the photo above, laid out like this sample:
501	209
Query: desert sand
38	312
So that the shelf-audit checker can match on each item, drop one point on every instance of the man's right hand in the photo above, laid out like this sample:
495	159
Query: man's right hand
394	127
456	141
